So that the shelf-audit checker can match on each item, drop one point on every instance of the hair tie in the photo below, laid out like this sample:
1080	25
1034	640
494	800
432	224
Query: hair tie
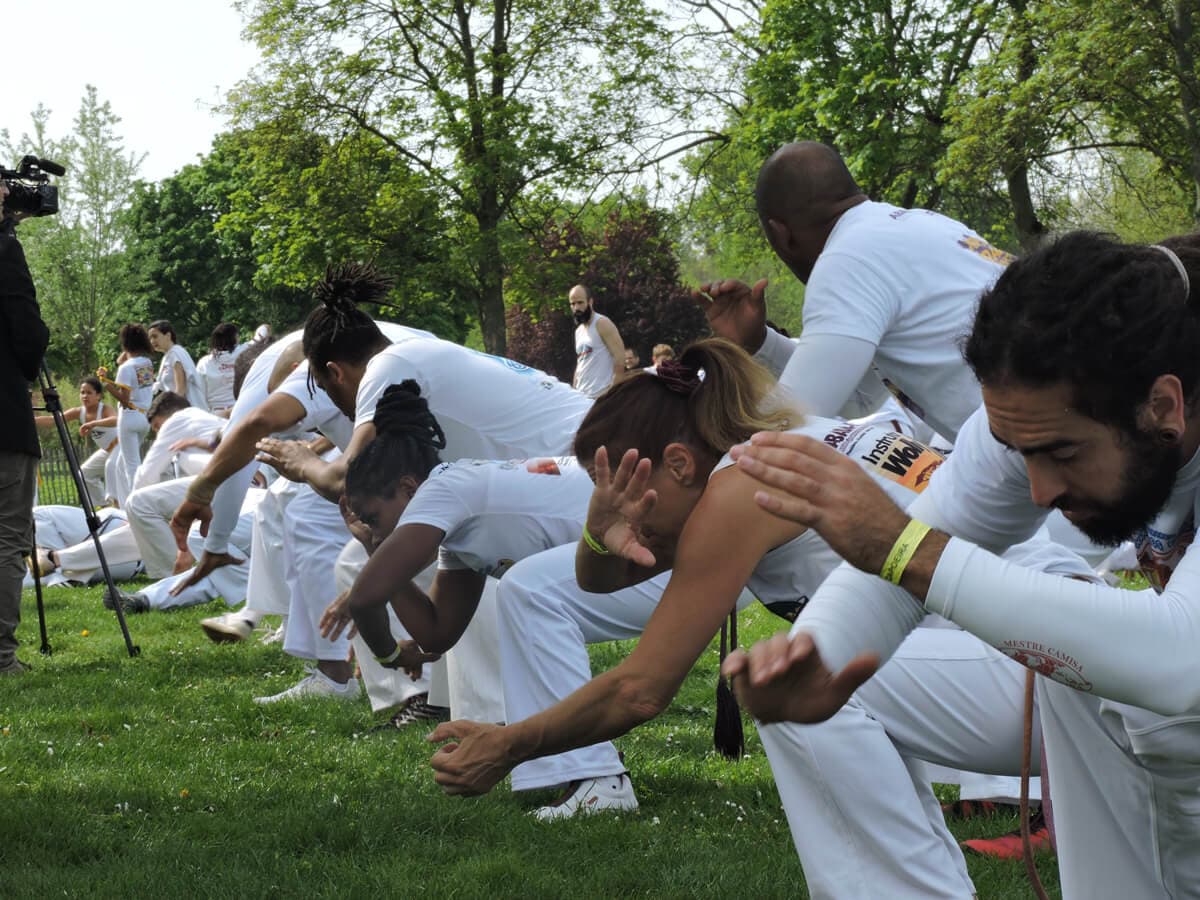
1179	267
679	377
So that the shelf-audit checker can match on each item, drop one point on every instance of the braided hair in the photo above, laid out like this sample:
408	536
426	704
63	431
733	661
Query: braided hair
407	441
1104	317
337	330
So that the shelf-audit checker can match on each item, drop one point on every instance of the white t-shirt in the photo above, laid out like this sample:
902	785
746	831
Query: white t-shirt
215	371
137	373
181	425
789	575
488	407
497	513
593	361
166	375
320	413
907	281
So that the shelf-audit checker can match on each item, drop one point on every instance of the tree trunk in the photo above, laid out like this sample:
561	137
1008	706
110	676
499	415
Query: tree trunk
1030	229
1182	28
490	268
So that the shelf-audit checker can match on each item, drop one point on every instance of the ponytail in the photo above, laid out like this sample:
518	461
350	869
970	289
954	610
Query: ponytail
337	330
712	397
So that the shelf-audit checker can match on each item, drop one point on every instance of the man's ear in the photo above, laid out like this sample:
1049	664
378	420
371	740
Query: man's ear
1165	410
680	464
335	372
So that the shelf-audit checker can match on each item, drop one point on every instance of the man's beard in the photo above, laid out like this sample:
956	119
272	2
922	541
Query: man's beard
1149	476
582	318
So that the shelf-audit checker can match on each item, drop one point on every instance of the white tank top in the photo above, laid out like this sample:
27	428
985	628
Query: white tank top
102	436
593	362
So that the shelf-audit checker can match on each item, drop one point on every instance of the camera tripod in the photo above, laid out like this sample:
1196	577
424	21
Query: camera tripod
53	405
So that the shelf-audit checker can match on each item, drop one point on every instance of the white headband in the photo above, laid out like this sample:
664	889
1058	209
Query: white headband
1179	267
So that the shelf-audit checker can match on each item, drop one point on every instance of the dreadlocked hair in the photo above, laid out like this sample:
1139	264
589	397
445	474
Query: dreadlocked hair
407	441
712	397
337	330
1104	317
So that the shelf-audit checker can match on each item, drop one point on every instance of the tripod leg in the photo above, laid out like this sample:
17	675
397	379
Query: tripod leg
37	589
54	406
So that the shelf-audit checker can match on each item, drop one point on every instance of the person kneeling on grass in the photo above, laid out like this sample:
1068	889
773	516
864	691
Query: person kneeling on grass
475	517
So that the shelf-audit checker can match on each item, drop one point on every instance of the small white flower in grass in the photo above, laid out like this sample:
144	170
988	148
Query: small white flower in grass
336	801
127	727
50	751
654	821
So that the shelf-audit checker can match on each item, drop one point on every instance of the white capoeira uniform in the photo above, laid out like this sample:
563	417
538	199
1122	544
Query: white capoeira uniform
165	380
546	621
96	467
215	372
494	514
489	408
137	374
1120	700
64	529
226	582
161	462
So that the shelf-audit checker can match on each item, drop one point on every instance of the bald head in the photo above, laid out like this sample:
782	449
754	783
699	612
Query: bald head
804	184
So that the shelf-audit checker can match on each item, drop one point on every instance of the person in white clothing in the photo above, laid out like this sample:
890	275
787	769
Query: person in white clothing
97	420
684	425
133	388
888	293
476	517
66	553
599	351
1086	352
176	369
216	368
184	438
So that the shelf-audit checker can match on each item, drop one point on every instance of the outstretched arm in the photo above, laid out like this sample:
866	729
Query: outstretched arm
725	525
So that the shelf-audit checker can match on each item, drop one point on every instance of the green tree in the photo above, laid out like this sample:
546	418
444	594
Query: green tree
76	256
488	100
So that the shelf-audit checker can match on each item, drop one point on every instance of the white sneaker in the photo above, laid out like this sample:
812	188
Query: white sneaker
227	629
315	684
589	795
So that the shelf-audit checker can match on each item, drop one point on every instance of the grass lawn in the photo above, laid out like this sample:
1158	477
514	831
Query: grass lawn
158	777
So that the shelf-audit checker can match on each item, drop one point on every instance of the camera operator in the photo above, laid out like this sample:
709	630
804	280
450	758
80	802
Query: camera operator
23	341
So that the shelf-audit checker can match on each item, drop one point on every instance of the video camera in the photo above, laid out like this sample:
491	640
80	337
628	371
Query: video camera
29	192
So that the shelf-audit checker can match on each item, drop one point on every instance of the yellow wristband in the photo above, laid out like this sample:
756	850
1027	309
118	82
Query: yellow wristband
391	657
594	545
903	550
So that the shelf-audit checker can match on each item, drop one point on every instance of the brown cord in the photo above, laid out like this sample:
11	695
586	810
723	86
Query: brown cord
1026	764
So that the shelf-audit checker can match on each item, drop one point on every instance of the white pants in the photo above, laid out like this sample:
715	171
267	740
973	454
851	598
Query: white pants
267	591
863	815
226	582
389	687
466	678
93	469
314	533
131	428
546	622
1125	784
64	529
150	509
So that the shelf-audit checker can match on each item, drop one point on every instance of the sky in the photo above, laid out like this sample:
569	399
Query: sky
163	65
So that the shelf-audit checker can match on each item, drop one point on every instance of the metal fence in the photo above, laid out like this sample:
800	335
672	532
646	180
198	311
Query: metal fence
55	484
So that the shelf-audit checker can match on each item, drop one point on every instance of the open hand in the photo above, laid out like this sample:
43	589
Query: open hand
288	458
208	563
620	501
782	679
816	486
336	617
190	511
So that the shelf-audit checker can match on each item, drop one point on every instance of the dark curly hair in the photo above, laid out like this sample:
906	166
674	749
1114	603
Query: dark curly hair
1104	317
407	441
